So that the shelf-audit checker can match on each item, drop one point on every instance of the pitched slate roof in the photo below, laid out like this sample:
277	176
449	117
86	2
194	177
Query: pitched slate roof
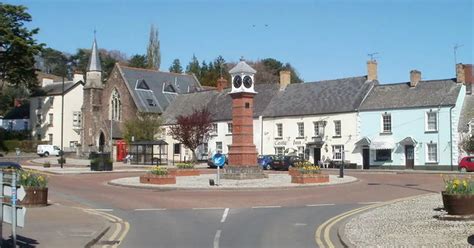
156	99
56	88
330	96
431	93
467	113
218	103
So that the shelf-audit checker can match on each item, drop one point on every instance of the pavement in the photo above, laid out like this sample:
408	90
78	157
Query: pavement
386	226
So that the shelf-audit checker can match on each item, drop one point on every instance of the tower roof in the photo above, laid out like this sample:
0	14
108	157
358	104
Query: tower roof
242	67
94	61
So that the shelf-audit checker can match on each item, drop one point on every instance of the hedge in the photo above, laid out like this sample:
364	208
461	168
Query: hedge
24	145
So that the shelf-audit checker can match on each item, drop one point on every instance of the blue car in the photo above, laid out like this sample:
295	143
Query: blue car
265	161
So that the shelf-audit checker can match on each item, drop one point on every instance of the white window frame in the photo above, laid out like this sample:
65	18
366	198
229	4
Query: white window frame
428	160
50	138
337	123
279	150
301	152
383	123
427	124
219	147
214	128
337	151
300	129
279	130
230	127
77	119
50	119
318	128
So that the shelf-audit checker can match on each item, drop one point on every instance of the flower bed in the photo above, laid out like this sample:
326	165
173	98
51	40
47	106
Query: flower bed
36	188
458	196
184	169
158	175
305	172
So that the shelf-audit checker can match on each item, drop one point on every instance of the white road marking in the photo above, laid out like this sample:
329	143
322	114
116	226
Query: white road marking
216	239
150	209
320	205
267	207
103	209
368	203
207	208
300	224
224	216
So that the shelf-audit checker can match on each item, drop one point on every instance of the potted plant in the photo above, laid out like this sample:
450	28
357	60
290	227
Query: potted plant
184	169
458	195
158	175
35	186
46	164
309	174
61	159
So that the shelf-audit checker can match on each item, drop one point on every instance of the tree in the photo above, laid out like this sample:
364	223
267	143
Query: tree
176	67
54	62
107	60
145	127
137	61
468	144
194	67
17	47
192	130
153	54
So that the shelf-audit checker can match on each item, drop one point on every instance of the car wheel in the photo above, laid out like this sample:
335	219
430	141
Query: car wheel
46	154
463	169
268	167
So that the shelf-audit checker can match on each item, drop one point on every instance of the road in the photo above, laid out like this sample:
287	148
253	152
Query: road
258	218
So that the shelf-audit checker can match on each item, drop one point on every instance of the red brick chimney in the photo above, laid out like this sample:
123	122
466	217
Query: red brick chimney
415	77
221	84
468	78
371	70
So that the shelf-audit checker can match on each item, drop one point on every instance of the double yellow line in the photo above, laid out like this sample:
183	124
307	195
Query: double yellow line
322	234
119	231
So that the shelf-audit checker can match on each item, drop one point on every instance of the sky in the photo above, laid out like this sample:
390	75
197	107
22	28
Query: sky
321	39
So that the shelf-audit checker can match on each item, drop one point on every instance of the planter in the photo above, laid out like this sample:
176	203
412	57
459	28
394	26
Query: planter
458	204
155	179
292	171
310	178
184	172
35	197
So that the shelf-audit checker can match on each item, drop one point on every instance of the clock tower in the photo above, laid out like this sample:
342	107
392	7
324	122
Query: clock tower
242	152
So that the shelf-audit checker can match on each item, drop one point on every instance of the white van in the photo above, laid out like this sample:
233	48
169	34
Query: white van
46	150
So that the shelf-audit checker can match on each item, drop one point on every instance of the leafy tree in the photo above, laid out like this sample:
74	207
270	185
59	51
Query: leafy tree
192	130
107	60
176	67
145	127
153	54
9	95
54	62
138	61
194	67
17	47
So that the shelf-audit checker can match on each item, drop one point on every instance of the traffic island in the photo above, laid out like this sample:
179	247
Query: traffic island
309	178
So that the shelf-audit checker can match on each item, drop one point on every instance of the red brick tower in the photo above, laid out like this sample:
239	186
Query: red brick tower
242	152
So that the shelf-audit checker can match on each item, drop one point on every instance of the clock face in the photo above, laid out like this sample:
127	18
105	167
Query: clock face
237	81
247	82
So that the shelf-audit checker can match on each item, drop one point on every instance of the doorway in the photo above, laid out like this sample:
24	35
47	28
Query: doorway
101	142
409	156
317	155
365	158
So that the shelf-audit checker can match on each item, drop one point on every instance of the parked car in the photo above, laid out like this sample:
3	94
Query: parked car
265	161
46	150
466	164
211	164
284	162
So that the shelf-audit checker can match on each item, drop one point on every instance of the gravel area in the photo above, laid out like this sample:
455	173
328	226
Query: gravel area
410	223
202	182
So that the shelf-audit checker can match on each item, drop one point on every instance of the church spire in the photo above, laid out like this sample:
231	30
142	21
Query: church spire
94	61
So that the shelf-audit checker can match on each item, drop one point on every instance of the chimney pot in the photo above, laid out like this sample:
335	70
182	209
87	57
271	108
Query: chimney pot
285	79
221	84
415	77
371	70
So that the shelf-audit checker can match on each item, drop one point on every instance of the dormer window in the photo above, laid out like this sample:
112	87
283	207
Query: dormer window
142	85
169	88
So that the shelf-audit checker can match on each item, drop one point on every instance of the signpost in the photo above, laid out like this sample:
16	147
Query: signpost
219	160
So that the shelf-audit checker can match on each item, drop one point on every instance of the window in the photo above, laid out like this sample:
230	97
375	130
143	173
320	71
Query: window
50	122
229	127
169	89
40	103
337	128
300	129
38	136
10	125
72	144
77	119
279	128
177	148
319	128
386	123
50	138
383	155
115	106
51	101
142	85
205	148
25	125
150	102
219	146
301	152
431	121
214	128
39	120
279	150
432	150
337	151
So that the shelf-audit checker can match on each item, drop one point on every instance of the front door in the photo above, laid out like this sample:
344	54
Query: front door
101	142
317	155
409	156
365	158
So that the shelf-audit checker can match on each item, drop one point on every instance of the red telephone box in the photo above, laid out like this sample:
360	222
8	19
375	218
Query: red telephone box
121	150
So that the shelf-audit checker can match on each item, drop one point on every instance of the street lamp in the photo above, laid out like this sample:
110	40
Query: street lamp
68	73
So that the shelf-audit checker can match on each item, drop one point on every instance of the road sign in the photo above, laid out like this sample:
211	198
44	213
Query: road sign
218	159
20	192
20	215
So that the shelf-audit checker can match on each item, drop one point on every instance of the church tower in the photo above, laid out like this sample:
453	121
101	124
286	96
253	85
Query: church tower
92	102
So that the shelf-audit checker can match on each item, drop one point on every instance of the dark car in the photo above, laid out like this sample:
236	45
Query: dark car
211	164
265	161
466	164
284	162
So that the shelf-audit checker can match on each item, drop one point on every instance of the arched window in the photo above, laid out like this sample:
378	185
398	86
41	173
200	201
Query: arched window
115	106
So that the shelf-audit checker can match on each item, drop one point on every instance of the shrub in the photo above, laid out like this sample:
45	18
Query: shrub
302	164
185	166
29	178
159	171
46	164
61	159
459	186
